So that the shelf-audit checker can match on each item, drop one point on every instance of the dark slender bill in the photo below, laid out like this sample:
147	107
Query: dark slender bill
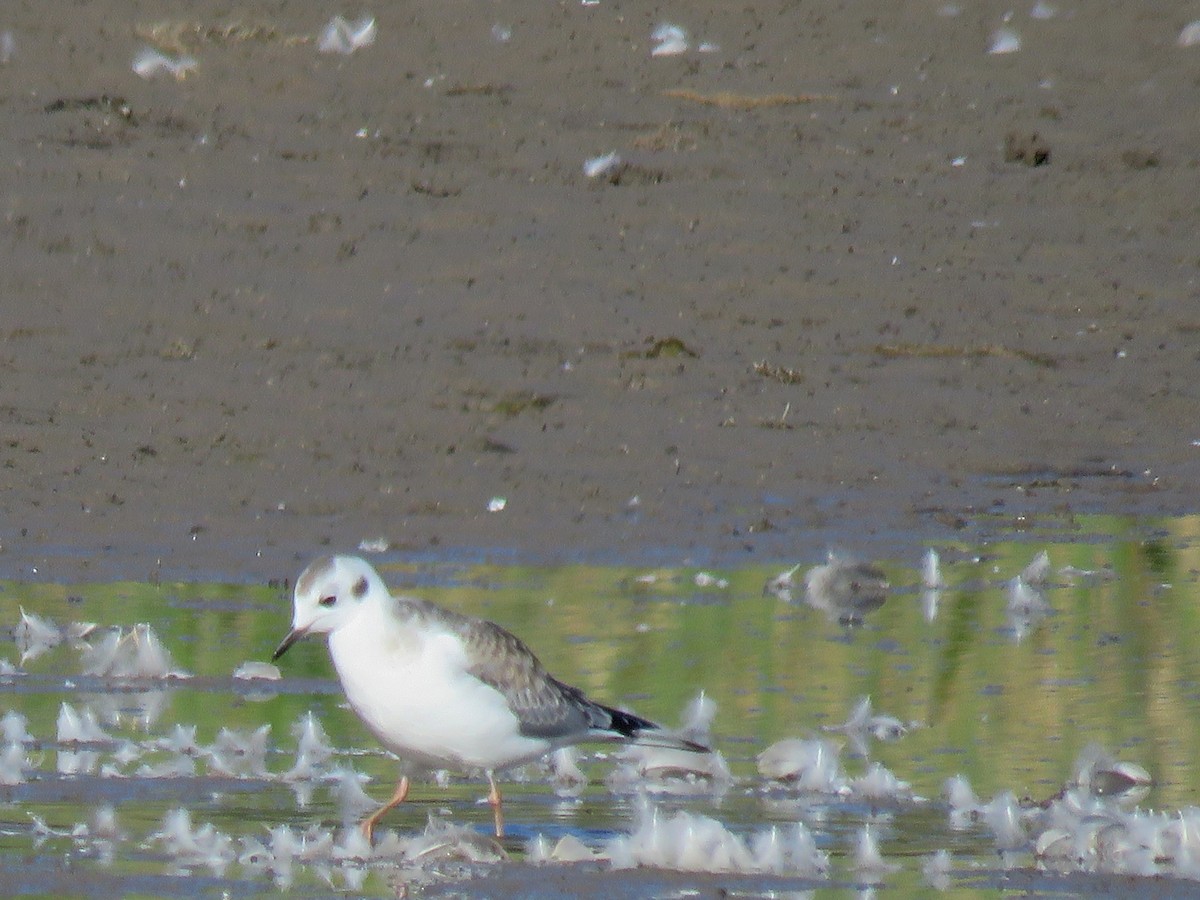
292	636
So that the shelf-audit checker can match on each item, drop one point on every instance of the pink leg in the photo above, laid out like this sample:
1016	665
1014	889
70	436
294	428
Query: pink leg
369	823
495	802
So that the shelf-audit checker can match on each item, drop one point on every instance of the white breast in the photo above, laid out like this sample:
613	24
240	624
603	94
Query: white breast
408	682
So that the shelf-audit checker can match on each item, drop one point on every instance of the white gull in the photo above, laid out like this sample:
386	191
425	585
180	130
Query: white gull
445	690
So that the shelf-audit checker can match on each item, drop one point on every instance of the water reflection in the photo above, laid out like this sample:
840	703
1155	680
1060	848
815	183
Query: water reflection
843	588
998	665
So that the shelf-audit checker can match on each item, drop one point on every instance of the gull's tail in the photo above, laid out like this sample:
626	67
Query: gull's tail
643	731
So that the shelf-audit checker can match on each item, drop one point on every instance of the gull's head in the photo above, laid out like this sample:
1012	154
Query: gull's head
328	594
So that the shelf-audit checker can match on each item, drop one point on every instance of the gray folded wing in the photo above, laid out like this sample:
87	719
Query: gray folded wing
545	707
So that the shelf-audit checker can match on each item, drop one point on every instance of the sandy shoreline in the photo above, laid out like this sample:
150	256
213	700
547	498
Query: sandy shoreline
299	301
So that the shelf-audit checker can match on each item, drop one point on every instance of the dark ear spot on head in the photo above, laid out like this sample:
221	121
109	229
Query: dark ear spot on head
360	588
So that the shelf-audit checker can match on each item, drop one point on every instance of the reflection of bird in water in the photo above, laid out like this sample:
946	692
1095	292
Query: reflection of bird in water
1087	824
931	571
811	765
932	584
864	723
783	584
1037	572
1026	606
444	690
845	589
1099	774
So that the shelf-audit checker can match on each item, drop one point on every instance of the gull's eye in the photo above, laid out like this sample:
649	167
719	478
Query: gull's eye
328	601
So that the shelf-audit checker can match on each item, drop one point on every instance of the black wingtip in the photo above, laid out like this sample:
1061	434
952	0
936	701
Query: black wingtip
627	724
635	728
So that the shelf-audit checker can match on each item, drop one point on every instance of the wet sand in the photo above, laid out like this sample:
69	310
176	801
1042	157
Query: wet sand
298	300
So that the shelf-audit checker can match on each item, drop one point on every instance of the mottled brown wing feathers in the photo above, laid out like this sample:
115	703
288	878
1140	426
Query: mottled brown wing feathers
545	706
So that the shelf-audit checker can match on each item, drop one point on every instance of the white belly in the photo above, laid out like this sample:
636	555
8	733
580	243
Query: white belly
412	690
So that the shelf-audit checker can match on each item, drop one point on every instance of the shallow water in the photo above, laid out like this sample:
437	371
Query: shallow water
1008	704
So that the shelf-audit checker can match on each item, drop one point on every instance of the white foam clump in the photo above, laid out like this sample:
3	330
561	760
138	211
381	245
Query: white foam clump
205	845
253	854
14	761
669	40
879	783
1037	573
77	762
78	632
964	804
317	846
443	840
150	63
569	849
276	856
1003	816
646	765
181	740
285	843
791	850
174	767
346	785
35	635
353	846
597	166
253	670
1079	832
80	728
667	770
313	749
698	718
14	728
439	842
864	722
937	869
1086	827
1190	35
568	778
342	36
104	824
137	653
127	752
41	830
692	843
239	754
1004	40
868	860
808	765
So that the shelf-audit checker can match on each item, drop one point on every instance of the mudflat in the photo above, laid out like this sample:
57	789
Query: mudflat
850	280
